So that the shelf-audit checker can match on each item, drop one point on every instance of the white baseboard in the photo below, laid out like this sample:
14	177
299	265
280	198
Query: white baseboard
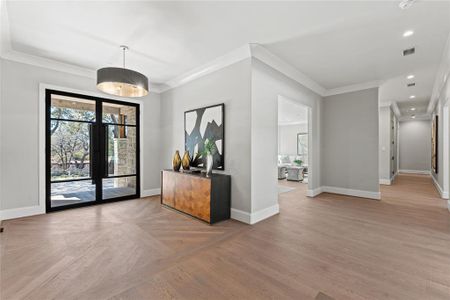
425	172
442	193
152	192
385	181
15	213
264	213
350	192
314	192
240	215
253	218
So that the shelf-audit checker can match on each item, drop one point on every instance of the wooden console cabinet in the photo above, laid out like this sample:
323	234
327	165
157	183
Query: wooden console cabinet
205	198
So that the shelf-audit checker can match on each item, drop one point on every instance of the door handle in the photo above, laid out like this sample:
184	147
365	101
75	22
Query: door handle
105	150
92	151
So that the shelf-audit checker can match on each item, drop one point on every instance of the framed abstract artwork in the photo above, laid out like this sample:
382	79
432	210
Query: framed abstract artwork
206	123
434	144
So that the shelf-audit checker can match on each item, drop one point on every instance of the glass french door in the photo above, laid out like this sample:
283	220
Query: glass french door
92	150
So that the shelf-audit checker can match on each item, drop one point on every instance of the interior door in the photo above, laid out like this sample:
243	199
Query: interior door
92	150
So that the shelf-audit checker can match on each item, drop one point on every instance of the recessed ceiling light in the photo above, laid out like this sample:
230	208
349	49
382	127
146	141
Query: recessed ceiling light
413	108
412	97
408	33
413	116
410	76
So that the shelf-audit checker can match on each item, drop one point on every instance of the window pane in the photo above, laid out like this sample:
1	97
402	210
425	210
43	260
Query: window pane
70	108
121	152
119	187
70	150
65	193
119	114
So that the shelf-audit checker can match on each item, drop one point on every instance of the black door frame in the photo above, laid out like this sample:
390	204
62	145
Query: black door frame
98	173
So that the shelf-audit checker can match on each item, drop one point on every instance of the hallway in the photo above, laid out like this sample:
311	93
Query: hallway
413	190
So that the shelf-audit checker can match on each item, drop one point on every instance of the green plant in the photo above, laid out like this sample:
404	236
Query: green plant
209	148
298	162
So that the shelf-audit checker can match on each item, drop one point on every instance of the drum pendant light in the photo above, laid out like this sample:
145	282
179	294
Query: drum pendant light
121	81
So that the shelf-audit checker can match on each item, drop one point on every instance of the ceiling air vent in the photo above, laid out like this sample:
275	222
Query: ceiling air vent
409	51
411	84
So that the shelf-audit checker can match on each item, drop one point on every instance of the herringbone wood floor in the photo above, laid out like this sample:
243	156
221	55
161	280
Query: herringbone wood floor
343	247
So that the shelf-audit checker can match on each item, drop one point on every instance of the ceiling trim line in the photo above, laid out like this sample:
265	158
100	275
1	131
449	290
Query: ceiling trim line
267	57
417	118
396	110
221	62
353	88
55	65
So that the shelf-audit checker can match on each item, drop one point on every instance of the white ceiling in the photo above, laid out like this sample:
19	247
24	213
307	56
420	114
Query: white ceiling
290	113
368	46
419	106
334	43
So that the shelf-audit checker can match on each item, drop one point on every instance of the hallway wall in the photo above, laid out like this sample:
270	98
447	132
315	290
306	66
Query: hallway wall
267	85
415	146
350	142
231	86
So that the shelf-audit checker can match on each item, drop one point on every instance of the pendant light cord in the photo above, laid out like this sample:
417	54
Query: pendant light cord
124	48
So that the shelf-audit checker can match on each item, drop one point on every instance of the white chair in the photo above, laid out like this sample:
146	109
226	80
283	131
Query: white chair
295	173
281	172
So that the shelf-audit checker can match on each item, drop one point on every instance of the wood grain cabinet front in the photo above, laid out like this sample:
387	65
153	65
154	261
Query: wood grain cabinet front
205	198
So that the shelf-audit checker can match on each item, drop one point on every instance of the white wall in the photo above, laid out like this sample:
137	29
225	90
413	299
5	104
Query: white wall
350	142
19	130
230	85
287	138
1	133
415	146
267	85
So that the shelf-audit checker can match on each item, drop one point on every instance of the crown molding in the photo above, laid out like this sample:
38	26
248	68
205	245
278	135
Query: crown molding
221	62
353	88
267	57
396	110
55	65
47	63
417	118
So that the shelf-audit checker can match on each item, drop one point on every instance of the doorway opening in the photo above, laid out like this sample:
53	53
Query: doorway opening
294	140
92	150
